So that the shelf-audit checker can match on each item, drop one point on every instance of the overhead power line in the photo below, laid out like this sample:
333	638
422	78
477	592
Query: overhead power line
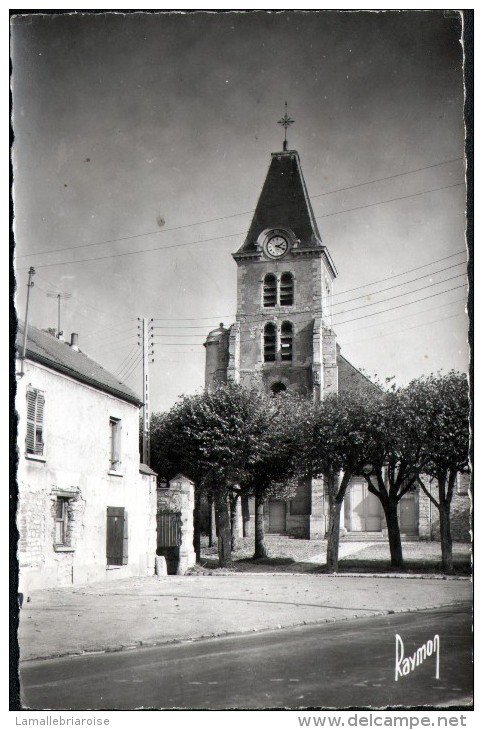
405	329
258	316
398	296
125	368
353	319
235	215
391	200
398	319
406	304
239	233
403	283
134	367
389	177
401	273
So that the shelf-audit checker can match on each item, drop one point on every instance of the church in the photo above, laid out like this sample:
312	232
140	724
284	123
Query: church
283	339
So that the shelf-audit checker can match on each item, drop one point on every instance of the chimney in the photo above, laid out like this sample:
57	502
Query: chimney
74	341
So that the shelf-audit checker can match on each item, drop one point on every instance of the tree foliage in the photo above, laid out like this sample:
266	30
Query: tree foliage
226	439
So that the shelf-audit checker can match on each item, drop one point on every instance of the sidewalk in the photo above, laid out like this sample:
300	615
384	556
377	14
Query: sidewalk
148	611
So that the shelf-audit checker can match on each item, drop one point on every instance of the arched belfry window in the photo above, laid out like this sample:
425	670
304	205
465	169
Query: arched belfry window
269	290
286	289
286	342
269	342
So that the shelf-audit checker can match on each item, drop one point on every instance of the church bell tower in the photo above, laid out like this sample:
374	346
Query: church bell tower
282	338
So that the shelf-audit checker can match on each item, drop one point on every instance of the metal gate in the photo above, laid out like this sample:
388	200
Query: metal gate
169	529
169	539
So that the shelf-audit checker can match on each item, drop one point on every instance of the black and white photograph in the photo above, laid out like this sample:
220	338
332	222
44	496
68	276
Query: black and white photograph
241	321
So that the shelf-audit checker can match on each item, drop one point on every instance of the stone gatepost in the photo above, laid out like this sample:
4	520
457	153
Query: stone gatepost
185	490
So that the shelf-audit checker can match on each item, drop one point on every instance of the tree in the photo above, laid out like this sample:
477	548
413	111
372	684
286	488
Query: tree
213	437
394	458
274	470
336	449
440	408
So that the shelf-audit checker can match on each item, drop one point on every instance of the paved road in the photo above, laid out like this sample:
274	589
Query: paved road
344	664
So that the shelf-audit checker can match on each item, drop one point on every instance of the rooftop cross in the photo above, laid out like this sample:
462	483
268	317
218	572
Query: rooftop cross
285	121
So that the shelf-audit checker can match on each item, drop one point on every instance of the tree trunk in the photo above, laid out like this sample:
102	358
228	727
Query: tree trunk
211	522
245	516
224	531
260	548
394	534
197	526
333	533
234	520
446	541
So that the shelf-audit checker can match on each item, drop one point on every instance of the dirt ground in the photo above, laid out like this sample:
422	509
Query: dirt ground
287	554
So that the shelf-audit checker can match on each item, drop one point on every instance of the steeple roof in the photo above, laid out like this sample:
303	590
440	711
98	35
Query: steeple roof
284	203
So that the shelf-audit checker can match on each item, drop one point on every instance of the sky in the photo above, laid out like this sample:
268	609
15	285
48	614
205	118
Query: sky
141	146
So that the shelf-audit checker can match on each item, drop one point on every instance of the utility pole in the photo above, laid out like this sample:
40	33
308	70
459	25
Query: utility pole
58	296
26	323
147	336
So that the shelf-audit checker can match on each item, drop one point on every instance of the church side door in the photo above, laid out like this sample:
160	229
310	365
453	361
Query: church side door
277	516
364	513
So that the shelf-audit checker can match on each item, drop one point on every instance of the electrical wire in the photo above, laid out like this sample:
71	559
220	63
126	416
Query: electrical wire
398	296
408	271
125	360
403	283
239	233
235	215
134	367
422	299
354	319
135	356
406	329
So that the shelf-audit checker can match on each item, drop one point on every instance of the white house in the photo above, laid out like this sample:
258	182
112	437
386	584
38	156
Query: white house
86	506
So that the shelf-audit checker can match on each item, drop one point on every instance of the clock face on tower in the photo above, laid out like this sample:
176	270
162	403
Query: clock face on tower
276	246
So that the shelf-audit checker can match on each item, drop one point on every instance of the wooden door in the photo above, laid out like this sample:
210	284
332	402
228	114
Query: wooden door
115	531
408	514
365	509
276	516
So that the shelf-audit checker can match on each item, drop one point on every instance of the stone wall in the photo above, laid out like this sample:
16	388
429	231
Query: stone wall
460	513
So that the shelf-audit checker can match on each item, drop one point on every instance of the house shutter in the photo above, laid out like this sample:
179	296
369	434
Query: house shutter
125	542
115	535
35	421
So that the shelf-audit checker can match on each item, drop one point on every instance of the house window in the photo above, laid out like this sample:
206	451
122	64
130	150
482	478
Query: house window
286	342
35	422
269	291
116	536
277	388
61	521
286	289
115	444
269	342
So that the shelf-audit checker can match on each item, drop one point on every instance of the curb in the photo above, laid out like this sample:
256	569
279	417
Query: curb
402	576
232	634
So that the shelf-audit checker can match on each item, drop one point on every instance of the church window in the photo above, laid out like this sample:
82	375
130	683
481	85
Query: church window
270	291
269	342
286	341
286	289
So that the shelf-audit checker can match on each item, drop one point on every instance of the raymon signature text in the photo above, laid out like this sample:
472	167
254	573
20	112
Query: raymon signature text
407	664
